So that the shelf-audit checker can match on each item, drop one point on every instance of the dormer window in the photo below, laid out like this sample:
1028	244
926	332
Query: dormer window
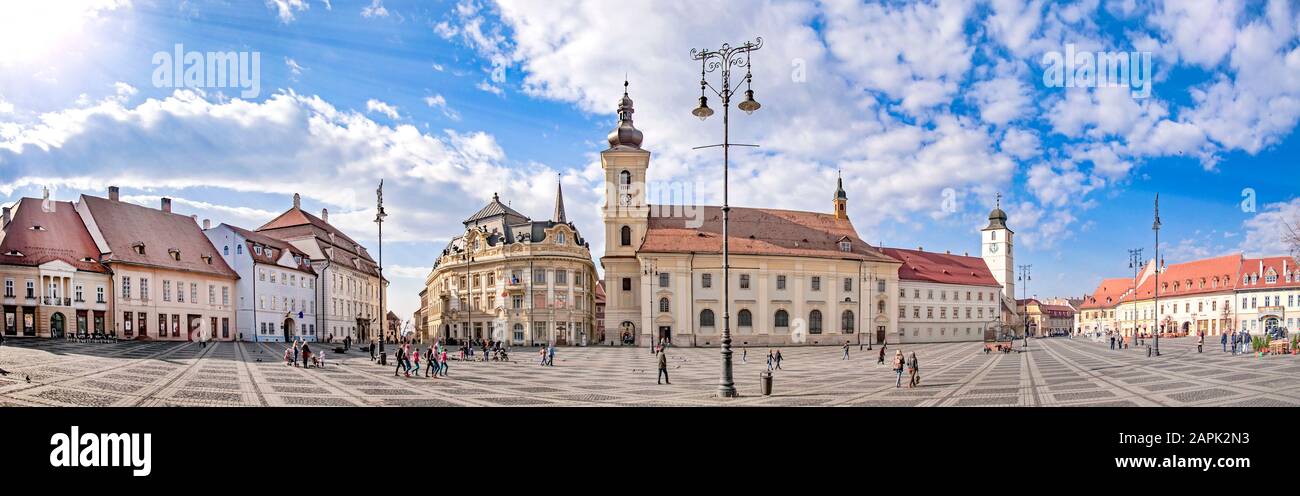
37	227
846	246
14	253
559	238
257	249
175	254
206	258
138	248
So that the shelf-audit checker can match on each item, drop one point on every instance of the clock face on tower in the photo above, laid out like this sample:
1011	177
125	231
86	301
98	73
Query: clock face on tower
993	248
625	199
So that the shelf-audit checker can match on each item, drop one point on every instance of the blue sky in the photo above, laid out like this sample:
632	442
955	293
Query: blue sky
930	109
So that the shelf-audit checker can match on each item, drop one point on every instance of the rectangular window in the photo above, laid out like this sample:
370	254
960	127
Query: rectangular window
212	295
880	288
9	288
663	279
780	282
561	277
706	281
848	284
744	281
167	291
79	294
816	283
126	288
144	289
916	312
99	294
31	289
627	284
194	292
517	302
225	328
225	295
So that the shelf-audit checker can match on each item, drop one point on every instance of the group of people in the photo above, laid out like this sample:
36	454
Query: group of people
487	349
300	354
546	355
901	363
408	360
1235	340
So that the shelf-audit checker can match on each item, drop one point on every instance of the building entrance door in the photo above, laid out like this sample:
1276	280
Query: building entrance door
666	334
56	326
288	329
880	334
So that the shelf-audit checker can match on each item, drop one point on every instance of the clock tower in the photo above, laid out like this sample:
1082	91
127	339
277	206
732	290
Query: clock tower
998	250
626	216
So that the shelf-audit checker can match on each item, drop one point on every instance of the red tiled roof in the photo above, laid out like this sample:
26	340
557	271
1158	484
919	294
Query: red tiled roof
942	268
600	292
1185	279
125	225
297	223
1280	266
271	256
62	236
1108	293
759	231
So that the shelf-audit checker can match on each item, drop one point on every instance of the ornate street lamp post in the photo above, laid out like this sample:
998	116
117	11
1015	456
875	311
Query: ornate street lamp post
1135	263
725	58
1024	295
651	271
1155	226
383	318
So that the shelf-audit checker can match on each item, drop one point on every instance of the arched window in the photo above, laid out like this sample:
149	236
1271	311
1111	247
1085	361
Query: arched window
625	179
706	318
880	306
746	319
239	249
782	319
625	236
846	321
815	322
663	304
225	250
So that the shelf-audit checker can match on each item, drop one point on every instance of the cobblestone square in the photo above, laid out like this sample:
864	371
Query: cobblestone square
1054	372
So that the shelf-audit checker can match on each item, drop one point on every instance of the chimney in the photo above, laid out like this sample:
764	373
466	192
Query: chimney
166	204
207	224
325	215
297	201
920	248
4	220
196	219
112	193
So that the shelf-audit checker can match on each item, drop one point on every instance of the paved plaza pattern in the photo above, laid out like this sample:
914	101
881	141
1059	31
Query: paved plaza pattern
1053	372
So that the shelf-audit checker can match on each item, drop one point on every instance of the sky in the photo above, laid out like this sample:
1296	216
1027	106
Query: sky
929	110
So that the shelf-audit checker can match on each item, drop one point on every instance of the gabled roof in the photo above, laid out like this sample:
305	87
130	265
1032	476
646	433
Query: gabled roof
757	231
61	236
297	223
495	208
125	226
1174	279
942	268
268	256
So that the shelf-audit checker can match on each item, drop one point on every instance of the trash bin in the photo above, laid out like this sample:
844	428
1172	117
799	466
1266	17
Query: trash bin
765	382
383	358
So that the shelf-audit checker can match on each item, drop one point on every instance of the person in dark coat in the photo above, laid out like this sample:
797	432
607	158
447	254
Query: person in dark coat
663	367
401	361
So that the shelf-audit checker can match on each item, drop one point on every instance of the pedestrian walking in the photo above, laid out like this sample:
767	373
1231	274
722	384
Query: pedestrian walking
898	368
295	352
914	370
881	359
398	358
846	351
444	362
415	360
744	355
770	357
431	356
1200	342
1223	341
306	355
778	358
550	356
663	367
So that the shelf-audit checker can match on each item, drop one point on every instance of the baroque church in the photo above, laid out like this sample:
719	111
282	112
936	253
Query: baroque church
797	277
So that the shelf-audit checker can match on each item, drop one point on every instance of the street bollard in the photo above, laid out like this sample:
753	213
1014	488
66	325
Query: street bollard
765	382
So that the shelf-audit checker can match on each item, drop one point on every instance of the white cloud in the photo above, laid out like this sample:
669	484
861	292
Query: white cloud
408	272
285	9
1202	32
440	103
375	9
1267	231
373	105
295	69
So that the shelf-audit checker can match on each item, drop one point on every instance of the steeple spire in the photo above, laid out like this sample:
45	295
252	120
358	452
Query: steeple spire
559	217
841	199
625	135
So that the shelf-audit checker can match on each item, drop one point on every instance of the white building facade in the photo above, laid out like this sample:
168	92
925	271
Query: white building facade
276	297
